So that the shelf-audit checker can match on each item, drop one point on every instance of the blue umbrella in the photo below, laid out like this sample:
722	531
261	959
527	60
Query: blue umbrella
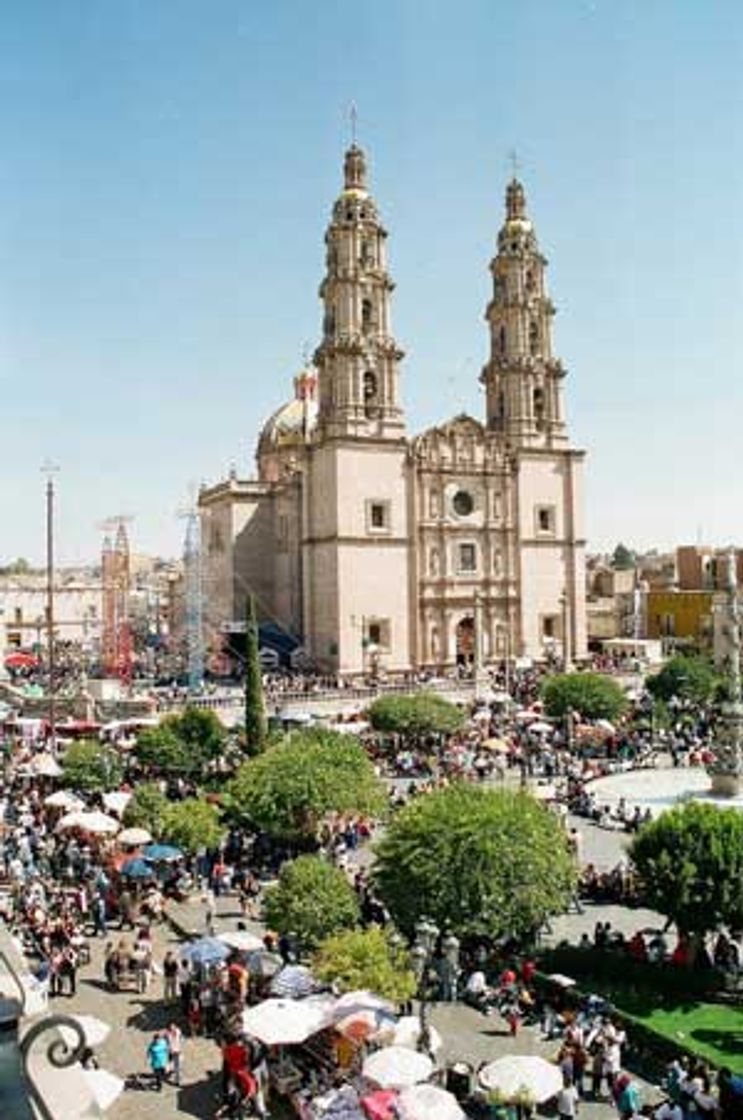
161	853
206	951
293	982
137	869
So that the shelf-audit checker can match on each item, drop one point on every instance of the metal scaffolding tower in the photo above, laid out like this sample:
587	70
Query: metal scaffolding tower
194	601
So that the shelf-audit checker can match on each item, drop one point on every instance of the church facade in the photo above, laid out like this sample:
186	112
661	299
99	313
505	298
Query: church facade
381	551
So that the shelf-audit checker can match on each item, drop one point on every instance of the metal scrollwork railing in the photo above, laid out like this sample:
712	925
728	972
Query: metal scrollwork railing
59	1053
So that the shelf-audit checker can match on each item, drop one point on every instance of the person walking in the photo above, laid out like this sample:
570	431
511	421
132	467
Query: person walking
567	1101
174	1036
170	976
158	1055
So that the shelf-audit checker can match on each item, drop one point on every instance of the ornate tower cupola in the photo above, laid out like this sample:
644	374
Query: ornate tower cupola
522	379
357	359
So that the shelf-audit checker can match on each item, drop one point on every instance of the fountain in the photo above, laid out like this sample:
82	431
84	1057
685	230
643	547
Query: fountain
723	784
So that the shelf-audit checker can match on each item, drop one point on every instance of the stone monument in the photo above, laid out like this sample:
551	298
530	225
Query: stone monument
726	771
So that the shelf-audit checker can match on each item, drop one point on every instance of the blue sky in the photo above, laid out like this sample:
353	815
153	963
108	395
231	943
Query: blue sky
166	175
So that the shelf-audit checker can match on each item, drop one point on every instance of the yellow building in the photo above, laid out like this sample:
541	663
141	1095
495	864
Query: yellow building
680	617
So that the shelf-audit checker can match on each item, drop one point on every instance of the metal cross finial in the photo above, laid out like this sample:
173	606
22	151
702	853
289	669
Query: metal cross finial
513	159
353	118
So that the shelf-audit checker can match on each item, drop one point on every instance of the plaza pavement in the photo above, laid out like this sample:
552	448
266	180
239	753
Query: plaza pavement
467	1034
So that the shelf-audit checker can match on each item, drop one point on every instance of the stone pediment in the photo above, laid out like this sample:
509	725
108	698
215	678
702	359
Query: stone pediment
461	442
459	427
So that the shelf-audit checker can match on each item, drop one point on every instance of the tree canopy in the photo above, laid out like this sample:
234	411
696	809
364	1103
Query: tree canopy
185	743
312	899
477	861
684	677
146	809
289	789
622	558
593	695
416	716
255	708
690	861
89	766
192	824
365	960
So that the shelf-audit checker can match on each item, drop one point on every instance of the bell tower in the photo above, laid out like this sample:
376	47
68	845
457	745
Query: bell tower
357	359
523	379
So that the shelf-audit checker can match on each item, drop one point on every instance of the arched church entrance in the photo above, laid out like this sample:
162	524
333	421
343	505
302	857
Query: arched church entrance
465	637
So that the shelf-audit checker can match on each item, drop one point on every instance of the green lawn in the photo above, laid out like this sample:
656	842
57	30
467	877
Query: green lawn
713	1031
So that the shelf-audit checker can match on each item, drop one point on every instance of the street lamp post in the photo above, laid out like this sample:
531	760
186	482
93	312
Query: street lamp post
50	470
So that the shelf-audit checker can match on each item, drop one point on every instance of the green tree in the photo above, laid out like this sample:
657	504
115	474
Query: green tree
312	899
186	743
416	716
192	824
690	862
365	960
592	694
255	708
89	766
684	677
159	749
146	809
289	789
477	861
622	558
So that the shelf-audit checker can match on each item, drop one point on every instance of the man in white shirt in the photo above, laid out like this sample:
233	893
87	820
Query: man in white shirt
567	1101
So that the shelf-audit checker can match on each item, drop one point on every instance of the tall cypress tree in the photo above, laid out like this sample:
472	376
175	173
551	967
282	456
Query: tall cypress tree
255	709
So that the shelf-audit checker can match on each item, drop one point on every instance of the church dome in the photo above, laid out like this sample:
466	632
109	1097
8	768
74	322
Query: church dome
293	422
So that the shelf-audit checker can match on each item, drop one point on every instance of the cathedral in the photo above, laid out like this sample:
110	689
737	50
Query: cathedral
379	551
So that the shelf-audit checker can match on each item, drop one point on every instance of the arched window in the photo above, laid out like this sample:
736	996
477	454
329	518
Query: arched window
367	253
529	281
539	408
370	387
329	323
534	339
366	315
502	340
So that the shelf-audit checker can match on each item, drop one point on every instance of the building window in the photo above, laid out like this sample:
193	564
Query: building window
378	633
378	518
545	521
366	315
534	339
539	415
18	616
467	557
463	503
502	340
549	626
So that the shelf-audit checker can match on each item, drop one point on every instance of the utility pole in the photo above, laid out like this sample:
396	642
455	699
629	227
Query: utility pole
50	470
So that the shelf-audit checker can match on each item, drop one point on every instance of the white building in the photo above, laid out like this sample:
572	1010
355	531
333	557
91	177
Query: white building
371	545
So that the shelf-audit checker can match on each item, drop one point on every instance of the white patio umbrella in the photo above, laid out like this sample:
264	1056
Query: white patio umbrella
428	1102
63	799
407	1032
397	1067
134	836
88	822
240	939
105	1087
95	1030
518	1076
351	1002
116	801
277	1022
541	727
46	766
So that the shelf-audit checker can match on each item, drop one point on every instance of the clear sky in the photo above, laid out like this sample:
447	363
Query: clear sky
167	169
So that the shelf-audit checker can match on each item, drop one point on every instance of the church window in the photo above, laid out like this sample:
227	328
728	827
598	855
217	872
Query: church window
366	315
329	324
538	399
18	616
529	281
534	339
370	385
367	253
549	626
545	520
467	557
502	340
378	633
378	518
463	503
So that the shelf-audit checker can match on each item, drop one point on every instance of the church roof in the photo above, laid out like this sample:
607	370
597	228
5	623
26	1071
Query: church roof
294	420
